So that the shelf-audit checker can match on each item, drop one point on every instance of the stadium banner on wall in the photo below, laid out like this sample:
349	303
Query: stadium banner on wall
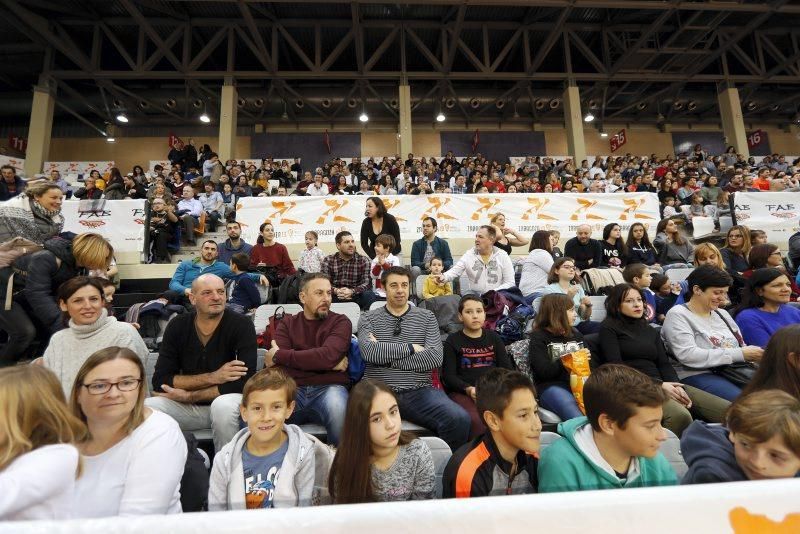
67	168
617	140
119	221
17	163
777	213
458	216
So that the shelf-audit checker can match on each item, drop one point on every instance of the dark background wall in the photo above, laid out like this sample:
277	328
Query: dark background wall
309	146
712	142
494	145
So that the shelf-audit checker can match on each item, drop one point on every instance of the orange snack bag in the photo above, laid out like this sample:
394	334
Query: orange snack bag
577	363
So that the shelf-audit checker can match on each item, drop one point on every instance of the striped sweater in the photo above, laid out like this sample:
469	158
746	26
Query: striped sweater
392	359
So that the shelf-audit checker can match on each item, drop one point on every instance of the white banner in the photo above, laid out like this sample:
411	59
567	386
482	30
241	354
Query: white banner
119	221
457	216
777	213
17	163
77	167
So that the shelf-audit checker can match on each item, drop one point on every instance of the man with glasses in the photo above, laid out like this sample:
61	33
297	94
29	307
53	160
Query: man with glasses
205	359
401	345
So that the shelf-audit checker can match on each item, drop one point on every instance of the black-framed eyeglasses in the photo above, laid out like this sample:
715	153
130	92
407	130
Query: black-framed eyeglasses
101	388
398	327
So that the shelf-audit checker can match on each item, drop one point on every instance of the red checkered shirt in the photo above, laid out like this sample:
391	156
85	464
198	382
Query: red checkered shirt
352	273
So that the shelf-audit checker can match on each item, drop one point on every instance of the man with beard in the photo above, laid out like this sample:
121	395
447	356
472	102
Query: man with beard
205	359
234	244
348	272
312	347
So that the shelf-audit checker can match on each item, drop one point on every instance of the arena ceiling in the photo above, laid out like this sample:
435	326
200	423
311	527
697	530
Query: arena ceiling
478	61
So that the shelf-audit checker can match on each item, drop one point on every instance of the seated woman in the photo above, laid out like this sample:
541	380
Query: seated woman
552	336
507	237
39	435
90	329
562	279
627	338
376	460
708	254
764	308
34	214
615	253
640	250
780	365
674	250
271	257
701	336
737	247
468	354
767	255
133	456
536	266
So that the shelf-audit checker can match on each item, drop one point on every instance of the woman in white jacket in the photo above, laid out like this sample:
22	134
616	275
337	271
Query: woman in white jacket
536	266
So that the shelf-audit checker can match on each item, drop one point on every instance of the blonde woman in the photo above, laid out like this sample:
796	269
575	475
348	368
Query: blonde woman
38	459
133	456
506	237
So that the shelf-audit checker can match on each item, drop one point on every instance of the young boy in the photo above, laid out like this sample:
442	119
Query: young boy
383	261
617	444
638	274
761	441
666	293
244	295
311	258
502	461
269	464
430	288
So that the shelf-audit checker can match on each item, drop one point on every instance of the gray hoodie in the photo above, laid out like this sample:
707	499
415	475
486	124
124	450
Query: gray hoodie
303	479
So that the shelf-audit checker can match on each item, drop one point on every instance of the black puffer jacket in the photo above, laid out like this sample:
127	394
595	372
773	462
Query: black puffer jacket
38	276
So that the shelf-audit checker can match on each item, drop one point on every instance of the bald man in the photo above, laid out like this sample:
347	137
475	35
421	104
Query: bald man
587	252
205	359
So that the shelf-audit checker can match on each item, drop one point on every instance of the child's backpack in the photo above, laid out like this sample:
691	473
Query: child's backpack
289	290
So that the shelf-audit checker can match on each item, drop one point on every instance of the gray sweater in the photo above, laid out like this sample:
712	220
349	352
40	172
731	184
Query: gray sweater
411	477
70	348
670	252
700	343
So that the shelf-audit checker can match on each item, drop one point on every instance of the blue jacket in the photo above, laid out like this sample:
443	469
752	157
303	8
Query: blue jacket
245	293
189	270
709	454
440	249
226	251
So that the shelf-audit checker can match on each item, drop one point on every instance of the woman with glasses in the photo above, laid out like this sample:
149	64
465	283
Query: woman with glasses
133	456
627	338
562	279
90	329
736	249
764	308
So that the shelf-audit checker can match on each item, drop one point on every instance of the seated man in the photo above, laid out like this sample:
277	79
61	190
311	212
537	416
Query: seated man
502	461
234	244
428	247
617	444
205	359
587	252
401	345
213	205
348	272
189	211
312	348
207	263
486	266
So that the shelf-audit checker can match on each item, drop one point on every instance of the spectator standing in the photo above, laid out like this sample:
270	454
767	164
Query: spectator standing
312	256
378	221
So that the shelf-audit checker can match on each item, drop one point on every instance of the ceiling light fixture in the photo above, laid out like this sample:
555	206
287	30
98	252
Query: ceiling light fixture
440	117
588	117
122	118
205	118
363	117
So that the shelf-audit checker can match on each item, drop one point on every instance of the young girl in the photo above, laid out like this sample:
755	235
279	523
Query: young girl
668	208
555	237
38	461
696	208
640	250
615	253
376	460
311	258
561	279
554	335
468	355
430	288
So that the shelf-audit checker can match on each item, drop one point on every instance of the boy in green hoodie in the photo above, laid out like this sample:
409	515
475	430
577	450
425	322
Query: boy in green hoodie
617	444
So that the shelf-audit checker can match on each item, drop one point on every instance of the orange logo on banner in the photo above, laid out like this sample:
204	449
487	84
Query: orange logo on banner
743	522
486	205
389	203
537	204
633	204
437	204
281	208
585	206
334	206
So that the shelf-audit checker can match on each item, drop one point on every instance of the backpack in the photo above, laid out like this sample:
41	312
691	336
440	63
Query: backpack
289	290
511	328
496	305
355	362
11	251
519	352
264	340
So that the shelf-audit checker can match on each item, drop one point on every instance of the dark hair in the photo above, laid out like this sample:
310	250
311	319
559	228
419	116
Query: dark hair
633	270
433	222
631	241
241	261
341	235
350	480
379	205
105	282
71	286
757	281
233	222
707	276
552	314
495	388
777	369
617	390
552	276
490	230
396	269
759	255
661	227
314	234
467	298
272	378
387	241
541	240
310	277
438	258
616	295
209	241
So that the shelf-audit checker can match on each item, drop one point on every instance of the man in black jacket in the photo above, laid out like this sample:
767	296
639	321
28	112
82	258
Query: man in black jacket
203	363
587	252
11	185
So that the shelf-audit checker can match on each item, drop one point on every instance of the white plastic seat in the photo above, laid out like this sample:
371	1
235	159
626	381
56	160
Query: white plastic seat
441	455
598	308
678	274
351	310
